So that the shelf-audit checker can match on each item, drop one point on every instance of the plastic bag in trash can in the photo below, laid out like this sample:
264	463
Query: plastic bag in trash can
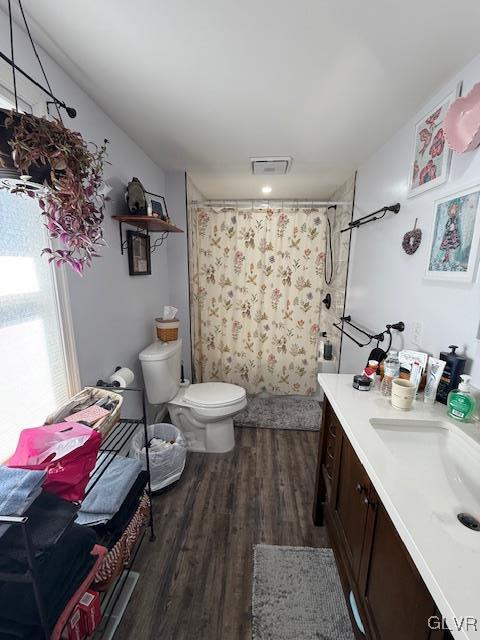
167	461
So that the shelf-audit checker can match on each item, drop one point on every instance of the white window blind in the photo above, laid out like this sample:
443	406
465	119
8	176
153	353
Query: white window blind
34	376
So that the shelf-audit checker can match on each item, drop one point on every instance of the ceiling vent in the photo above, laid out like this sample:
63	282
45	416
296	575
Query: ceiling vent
273	166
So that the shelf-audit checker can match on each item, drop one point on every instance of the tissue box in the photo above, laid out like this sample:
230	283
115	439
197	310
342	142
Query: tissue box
90	610
74	629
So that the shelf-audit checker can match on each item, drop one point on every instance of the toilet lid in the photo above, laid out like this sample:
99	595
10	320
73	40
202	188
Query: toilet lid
213	394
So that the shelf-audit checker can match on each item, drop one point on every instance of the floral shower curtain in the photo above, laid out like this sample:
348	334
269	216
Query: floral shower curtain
255	278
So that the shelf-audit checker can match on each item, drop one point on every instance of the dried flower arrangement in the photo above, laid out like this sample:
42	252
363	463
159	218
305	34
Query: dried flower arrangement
72	201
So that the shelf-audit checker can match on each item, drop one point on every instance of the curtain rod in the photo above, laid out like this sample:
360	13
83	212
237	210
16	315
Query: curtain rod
286	202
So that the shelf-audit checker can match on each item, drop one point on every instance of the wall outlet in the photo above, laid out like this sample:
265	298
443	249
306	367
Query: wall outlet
417	333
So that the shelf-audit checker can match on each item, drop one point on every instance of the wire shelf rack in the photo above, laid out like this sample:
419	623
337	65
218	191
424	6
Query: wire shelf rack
112	446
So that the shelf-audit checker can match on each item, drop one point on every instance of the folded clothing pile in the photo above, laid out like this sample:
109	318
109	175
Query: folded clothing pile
64	559
18	490
110	532
107	491
117	508
49	519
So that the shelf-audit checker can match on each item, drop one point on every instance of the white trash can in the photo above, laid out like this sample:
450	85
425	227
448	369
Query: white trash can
167	462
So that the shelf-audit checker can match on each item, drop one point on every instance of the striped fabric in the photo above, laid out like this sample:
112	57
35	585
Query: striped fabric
119	556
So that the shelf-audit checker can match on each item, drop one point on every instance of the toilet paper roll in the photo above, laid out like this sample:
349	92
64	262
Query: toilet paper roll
123	376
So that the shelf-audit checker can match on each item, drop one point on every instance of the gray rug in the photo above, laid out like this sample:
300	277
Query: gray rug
280	412
297	595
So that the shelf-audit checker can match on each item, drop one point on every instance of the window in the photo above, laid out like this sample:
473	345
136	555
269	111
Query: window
38	369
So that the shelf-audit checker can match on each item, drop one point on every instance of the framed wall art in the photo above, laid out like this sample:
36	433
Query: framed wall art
431	155
139	263
454	242
157	206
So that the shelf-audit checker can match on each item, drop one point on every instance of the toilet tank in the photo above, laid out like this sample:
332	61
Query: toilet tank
161	363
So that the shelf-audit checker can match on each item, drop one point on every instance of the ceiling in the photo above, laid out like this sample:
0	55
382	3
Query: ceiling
202	86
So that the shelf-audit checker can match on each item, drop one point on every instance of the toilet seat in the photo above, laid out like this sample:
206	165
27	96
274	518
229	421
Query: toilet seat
213	395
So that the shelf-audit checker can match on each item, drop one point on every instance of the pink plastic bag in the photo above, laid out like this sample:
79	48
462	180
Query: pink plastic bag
67	451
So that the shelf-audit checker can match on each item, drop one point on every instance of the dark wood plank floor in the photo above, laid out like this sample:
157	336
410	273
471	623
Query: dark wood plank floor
196	578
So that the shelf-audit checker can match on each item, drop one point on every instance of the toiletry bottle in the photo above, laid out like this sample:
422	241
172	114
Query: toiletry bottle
327	350
391	370
435	369
454	367
321	343
461	403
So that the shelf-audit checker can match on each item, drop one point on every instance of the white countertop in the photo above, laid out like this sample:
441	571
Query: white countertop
446	555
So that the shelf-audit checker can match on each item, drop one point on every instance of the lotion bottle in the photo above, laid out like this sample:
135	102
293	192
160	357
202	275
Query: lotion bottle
461	403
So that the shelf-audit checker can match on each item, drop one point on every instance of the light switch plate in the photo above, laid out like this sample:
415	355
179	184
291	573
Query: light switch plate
417	333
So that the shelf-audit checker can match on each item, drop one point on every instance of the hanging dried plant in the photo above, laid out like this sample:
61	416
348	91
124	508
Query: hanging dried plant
72	202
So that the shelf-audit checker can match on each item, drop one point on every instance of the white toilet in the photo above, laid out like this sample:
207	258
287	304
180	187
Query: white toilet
203	412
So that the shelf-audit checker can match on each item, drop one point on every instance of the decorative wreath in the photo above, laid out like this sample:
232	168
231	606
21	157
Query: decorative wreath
412	240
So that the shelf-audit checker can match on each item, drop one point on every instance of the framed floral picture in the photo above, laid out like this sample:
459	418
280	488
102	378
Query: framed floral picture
431	155
454	244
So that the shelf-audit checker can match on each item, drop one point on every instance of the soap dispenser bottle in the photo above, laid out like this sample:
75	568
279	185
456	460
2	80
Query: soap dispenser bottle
461	403
454	367
327	349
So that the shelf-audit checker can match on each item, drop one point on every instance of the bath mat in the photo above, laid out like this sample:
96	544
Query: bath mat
277	412
297	595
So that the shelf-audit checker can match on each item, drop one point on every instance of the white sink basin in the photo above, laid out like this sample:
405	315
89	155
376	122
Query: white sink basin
441	461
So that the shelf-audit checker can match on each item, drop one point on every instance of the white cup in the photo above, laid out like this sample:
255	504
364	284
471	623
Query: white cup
403	394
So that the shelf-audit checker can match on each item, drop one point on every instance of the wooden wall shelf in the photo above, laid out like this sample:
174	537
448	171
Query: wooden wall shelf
149	224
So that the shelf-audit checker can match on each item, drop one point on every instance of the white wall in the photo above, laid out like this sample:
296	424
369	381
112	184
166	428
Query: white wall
177	254
385	284
113	312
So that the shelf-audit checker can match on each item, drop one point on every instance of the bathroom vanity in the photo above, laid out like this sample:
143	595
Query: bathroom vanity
389	487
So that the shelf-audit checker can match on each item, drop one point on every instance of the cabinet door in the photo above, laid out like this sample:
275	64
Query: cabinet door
350	504
327	465
333	439
396	600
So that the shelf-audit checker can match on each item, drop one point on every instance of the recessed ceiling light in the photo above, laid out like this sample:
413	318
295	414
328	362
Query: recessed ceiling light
266	189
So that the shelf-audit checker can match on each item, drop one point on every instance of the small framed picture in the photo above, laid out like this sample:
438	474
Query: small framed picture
139	263
156	206
454	242
431	155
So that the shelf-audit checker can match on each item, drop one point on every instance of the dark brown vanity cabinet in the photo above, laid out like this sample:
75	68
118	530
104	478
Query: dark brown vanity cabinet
396	602
349	505
373	562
